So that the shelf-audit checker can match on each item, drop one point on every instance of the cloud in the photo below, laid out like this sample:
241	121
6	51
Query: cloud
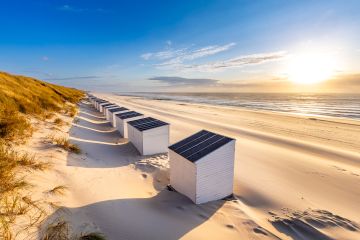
179	81
45	58
146	56
69	8
178	56
345	81
230	63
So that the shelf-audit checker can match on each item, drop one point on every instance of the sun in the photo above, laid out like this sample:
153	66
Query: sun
310	68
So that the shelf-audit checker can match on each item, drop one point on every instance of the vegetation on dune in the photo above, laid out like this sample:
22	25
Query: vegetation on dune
61	230
64	143
21	97
32	96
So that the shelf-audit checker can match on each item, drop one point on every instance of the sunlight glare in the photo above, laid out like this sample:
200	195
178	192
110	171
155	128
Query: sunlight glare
310	68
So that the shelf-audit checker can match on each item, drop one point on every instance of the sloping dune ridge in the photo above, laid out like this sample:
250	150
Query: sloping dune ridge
295	178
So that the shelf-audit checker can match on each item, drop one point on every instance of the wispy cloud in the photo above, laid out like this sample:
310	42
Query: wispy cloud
69	8
179	81
45	58
233	62
183	59
178	56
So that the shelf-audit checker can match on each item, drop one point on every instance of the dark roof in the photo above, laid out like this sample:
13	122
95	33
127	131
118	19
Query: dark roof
147	123
107	104
199	145
118	109
101	101
126	115
111	106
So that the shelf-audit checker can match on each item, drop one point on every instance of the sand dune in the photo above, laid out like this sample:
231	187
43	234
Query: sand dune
285	188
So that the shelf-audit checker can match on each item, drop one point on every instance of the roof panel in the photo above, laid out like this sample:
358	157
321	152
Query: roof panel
118	109
187	140
199	145
141	121
147	123
111	106
130	114
105	104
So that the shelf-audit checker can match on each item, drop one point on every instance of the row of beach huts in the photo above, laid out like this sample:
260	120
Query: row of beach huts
201	165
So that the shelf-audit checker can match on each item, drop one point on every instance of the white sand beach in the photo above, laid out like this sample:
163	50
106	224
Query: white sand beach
295	177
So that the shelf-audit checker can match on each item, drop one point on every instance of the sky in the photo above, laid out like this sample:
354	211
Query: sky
188	45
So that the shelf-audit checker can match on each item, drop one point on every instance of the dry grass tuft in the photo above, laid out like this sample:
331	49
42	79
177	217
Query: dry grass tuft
58	121
14	127
61	230
58	190
64	143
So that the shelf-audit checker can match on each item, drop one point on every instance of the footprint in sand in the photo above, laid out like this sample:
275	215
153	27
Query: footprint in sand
260	230
180	208
230	226
202	216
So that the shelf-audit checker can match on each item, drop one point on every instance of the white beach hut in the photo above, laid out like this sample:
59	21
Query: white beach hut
98	102
202	166
91	99
113	112
105	109
149	135
122	118
95	102
104	104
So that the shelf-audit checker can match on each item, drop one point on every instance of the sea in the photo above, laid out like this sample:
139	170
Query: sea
309	104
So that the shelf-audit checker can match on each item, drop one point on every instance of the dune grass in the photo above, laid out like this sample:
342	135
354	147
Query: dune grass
58	190
20	98
58	121
61	230
64	143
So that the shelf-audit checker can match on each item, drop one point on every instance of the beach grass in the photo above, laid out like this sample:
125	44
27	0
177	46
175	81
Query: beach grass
20	99
61	230
64	143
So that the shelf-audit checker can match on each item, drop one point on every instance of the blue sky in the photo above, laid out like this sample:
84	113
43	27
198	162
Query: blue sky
175	45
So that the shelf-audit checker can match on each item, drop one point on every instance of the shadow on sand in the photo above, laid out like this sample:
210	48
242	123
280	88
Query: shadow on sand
167	215
99	141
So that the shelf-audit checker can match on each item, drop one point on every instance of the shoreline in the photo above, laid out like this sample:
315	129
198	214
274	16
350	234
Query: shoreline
344	120
325	117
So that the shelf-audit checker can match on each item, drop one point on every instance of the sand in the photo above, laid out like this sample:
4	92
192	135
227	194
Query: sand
295	178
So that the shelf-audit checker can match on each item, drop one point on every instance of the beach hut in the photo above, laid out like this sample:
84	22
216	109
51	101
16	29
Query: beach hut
95	102
122	118
149	135
107	111
113	112
102	105
202	166
108	107
98	102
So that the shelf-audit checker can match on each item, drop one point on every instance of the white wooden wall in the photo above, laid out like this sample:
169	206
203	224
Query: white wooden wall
182	175
121	124
108	113
135	137
113	117
156	140
215	174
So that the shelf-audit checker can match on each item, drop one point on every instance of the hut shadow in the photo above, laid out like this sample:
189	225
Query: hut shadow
168	215
100	143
